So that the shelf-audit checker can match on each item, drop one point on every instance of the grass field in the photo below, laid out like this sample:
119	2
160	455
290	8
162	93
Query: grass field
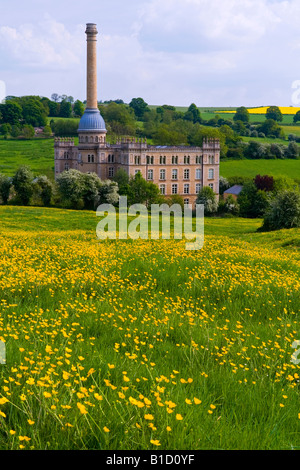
142	344
251	168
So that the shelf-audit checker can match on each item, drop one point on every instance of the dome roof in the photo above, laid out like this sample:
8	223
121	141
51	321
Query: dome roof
91	121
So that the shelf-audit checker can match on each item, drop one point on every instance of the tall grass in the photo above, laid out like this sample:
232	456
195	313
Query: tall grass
142	344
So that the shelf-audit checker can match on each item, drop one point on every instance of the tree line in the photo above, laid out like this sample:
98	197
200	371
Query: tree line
163	125
276	200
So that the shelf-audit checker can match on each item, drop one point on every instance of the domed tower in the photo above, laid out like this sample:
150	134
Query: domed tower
91	130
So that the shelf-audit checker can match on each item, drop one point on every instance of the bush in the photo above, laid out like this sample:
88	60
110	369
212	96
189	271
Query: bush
284	211
5	185
23	184
208	198
44	189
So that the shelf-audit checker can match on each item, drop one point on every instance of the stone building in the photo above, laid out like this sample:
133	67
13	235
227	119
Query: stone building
181	170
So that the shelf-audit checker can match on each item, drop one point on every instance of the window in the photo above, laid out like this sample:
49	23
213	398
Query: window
174	160
211	185
150	174
91	159
198	173
136	172
186	202
186	174
198	188
186	189
111	158
149	160
162	174
211	174
211	159
174	188
186	160
66	166
111	172
162	189
198	159
137	160
96	138
174	174
162	160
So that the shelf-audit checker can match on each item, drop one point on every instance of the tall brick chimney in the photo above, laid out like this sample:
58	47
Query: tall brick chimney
91	77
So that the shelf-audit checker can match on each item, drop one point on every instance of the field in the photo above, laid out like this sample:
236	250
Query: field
251	168
142	344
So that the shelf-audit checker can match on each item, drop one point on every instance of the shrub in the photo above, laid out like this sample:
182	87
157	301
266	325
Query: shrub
284	211
5	185
44	189
23	184
208	198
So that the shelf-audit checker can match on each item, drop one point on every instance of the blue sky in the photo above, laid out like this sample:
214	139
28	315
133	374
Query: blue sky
209	52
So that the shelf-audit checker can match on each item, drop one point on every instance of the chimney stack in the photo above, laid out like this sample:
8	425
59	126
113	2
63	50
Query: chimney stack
91	37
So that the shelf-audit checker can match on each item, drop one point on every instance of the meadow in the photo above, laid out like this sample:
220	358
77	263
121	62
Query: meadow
251	168
142	344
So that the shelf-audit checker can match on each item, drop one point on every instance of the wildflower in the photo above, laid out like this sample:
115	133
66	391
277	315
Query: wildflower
149	416
179	417
82	408
197	401
155	442
105	429
30	422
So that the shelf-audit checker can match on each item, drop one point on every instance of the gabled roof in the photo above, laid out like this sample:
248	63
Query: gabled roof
236	189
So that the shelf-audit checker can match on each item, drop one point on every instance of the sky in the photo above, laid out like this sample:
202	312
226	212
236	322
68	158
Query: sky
217	53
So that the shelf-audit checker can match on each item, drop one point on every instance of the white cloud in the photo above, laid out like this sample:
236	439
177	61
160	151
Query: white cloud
211	52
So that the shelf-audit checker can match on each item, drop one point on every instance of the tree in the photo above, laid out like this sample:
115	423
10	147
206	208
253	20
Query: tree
44	188
253	202
11	113
271	127
120	119
193	114
254	150
297	117
28	131
65	127
65	109
108	192
23	184
241	114
71	188
5	186
91	185
208	198
55	97
139	107
78	109
54	108
292	150
265	183
34	112
231	206
122	179
142	191
273	112
284	211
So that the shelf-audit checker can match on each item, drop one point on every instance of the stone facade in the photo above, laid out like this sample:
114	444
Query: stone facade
179	170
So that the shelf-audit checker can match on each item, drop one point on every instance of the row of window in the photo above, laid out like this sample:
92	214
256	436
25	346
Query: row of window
186	174
186	188
163	160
